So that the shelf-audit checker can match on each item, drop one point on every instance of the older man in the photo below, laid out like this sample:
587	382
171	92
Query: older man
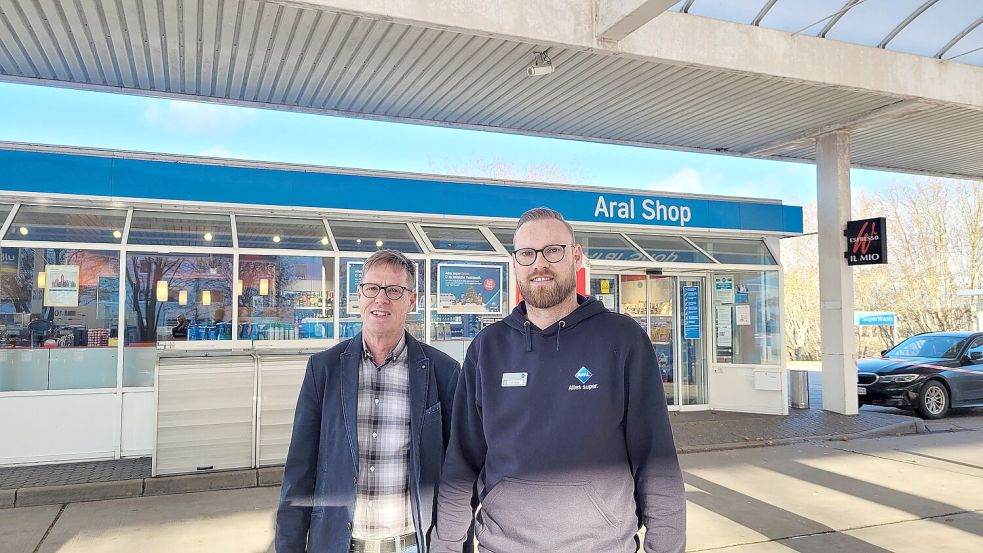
561	420
370	430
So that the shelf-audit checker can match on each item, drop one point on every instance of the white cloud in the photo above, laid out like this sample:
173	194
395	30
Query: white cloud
197	118
684	181
221	151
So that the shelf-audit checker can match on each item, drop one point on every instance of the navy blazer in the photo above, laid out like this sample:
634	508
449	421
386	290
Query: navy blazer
317	497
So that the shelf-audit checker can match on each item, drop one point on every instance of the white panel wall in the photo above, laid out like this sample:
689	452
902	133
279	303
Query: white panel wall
138	423
732	388
280	379
45	428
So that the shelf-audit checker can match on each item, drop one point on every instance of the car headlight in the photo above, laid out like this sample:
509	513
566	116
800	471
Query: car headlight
899	378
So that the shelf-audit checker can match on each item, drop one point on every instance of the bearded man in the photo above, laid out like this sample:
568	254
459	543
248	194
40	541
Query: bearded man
560	425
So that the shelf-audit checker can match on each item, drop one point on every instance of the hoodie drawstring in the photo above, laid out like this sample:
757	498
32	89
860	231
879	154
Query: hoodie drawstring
559	327
528	326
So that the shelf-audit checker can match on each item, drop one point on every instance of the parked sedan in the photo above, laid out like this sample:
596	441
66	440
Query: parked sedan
929	372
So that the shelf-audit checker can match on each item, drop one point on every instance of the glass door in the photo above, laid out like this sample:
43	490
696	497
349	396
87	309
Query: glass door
692	381
662	330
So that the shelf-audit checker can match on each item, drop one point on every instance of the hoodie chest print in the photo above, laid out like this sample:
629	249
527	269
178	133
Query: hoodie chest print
583	375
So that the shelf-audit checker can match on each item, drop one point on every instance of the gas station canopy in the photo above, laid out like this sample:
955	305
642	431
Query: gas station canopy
758	78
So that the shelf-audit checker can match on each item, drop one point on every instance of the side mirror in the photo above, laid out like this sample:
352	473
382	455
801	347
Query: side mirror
976	356
883	351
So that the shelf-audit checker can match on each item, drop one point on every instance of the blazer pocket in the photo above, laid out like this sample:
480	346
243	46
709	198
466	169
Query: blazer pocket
433	410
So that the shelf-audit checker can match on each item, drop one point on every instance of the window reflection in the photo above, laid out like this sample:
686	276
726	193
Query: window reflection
286	297
173	297
58	318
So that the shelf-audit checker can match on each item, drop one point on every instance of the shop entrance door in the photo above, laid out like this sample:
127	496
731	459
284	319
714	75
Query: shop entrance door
672	311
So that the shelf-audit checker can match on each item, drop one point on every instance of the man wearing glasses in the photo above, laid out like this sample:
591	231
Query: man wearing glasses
369	431
560	420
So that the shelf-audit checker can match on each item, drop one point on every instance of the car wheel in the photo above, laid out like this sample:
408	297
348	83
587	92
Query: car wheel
933	400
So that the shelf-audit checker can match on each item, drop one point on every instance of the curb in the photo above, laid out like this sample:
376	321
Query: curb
914	426
146	487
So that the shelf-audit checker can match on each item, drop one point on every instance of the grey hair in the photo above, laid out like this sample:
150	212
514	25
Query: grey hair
393	259
543	214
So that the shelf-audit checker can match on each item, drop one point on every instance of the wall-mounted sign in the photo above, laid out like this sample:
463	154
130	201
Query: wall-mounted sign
62	288
466	289
354	272
723	289
866	241
874	318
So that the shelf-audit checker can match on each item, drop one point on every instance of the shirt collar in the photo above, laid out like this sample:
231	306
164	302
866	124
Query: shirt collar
393	355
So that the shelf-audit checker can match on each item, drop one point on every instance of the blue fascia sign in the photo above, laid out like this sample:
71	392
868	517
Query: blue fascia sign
874	318
126	177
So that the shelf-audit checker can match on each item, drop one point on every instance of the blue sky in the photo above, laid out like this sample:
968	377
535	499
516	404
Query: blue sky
50	115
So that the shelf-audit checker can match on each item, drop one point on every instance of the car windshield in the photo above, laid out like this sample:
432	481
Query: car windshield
937	347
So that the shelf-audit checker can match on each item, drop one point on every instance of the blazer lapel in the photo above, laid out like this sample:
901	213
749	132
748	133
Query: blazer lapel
419	367
351	361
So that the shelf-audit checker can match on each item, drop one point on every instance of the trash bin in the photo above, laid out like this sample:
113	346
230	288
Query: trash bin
800	388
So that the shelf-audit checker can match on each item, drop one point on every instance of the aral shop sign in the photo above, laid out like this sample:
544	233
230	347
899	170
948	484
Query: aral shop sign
866	242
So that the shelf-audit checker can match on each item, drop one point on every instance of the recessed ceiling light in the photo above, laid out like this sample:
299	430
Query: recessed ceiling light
378	243
117	234
23	231
208	237
325	241
276	239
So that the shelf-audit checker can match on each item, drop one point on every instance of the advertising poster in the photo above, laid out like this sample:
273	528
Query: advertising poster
354	272
464	289
62	288
691	312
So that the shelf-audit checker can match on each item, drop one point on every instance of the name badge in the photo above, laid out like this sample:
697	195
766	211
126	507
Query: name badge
514	380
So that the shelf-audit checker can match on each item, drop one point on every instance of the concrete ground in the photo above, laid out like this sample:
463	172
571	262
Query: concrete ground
901	494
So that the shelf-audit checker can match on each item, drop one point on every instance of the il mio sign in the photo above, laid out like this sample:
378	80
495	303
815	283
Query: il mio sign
866	242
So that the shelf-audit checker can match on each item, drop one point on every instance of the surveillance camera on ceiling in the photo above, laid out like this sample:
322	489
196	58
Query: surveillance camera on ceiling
542	65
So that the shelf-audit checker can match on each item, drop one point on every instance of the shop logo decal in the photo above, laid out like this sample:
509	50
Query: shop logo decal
583	375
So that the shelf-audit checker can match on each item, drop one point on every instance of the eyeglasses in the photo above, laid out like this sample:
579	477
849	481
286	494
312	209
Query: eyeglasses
393	291
552	253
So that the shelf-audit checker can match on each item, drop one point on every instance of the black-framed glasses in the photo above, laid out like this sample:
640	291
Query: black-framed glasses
552	253
393	291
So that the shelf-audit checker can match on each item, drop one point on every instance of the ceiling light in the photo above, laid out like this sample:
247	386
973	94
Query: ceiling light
325	241
161	290
276	239
206	297
358	240
540	66
378	243
23	231
182	297
42	279
117	234
208	237
264	286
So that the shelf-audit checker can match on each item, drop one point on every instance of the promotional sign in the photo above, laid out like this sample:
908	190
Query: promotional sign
691	312
742	315
725	331
866	242
467	289
874	318
62	288
723	289
354	272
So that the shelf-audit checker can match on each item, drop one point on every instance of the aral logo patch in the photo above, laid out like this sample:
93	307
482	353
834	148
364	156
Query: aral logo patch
583	375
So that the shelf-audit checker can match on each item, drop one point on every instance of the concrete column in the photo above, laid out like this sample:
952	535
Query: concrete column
835	276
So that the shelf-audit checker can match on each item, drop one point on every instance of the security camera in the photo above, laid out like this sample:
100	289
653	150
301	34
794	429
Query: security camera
542	65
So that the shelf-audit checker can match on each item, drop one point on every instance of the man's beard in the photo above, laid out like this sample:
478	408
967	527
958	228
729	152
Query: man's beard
545	297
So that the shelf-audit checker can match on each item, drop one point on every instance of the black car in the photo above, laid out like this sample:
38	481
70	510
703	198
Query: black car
929	372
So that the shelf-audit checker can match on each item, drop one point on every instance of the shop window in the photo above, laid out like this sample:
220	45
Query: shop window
743	252
286	297
5	211
466	296
282	233
180	229
505	236
59	313
669	249
460	239
366	236
608	247
173	297
349	316
67	224
746	318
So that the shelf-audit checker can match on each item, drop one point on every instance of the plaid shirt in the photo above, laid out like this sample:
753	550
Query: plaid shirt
382	495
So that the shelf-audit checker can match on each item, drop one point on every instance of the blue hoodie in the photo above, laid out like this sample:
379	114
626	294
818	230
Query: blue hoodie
566	432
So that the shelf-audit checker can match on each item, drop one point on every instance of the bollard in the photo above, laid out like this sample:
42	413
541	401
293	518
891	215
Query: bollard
799	387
